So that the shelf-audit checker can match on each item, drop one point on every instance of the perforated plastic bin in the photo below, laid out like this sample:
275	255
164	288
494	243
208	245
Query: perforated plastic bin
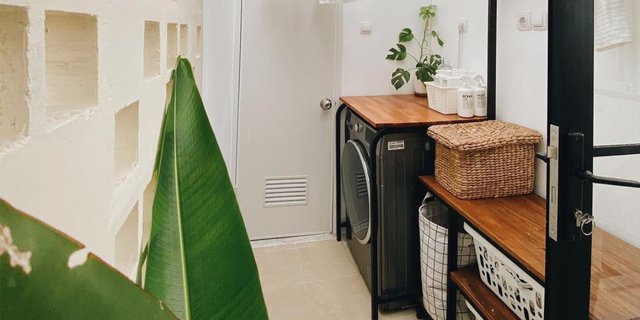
442	99
433	259
518	290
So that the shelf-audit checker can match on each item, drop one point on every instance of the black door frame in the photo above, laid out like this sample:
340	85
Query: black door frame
570	107
570	99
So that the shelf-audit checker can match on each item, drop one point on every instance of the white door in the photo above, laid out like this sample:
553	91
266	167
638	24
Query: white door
285	140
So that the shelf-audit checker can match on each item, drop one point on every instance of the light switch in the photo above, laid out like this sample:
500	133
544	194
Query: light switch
539	21
524	21
366	27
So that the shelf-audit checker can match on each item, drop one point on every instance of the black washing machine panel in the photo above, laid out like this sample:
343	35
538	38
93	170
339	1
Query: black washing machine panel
356	190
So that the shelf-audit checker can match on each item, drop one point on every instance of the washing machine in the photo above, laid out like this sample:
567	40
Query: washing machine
401	159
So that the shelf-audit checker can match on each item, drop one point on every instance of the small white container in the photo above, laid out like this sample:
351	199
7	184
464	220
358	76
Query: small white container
442	99
465	102
479	102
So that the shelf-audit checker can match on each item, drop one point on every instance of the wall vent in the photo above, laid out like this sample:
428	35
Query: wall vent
286	191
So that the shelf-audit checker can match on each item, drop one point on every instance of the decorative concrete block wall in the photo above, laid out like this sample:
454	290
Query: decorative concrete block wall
83	85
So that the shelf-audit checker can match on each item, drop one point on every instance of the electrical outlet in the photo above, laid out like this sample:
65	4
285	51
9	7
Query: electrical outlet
463	26
524	21
366	27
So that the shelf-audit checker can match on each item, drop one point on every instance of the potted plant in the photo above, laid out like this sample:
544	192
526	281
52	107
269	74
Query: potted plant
426	63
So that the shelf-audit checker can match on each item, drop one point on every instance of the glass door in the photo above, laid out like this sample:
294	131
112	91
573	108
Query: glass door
593	222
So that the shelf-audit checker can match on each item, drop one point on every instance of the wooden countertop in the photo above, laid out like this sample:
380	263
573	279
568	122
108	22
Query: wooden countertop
400	111
518	226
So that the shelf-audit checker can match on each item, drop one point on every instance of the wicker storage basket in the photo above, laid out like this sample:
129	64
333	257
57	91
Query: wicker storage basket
487	159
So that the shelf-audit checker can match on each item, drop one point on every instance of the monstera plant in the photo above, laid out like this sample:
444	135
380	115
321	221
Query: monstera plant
426	62
198	263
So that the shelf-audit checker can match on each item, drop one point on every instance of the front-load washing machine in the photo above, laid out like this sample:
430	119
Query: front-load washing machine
401	159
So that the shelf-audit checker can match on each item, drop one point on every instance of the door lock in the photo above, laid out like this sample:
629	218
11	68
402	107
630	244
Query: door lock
585	222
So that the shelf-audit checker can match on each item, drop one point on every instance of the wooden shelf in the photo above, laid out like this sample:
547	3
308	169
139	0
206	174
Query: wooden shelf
468	281
518	226
400	111
515	224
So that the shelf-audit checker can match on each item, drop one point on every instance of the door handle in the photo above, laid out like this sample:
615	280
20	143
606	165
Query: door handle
326	104
588	176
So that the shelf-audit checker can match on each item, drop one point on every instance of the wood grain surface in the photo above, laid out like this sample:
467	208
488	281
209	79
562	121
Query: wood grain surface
488	304
400	111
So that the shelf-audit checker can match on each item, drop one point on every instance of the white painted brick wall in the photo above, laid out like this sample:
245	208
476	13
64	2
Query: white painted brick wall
72	74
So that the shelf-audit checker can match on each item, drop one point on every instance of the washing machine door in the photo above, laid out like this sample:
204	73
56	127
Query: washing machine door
356	190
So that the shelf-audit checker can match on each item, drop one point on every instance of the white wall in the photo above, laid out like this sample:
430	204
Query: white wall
521	91
473	44
62	167
221	72
364	68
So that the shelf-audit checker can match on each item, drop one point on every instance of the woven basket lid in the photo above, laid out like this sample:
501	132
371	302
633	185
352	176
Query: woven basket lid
483	135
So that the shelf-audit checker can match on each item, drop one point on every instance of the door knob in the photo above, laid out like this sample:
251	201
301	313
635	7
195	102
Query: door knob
326	104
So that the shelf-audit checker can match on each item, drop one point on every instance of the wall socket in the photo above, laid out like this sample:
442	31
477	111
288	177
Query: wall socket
524	21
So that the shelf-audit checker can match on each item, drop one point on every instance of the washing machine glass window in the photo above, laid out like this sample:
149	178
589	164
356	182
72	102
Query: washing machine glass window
356	189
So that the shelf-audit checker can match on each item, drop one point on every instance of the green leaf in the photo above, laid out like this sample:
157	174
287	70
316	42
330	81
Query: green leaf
142	259
397	54
200	260
428	12
435	60
437	36
422	74
52	290
406	35
399	78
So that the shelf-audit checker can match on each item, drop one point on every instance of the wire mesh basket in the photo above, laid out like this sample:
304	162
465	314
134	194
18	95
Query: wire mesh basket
433	259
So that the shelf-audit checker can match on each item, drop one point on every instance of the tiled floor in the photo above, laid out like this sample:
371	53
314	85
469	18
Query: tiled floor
315	280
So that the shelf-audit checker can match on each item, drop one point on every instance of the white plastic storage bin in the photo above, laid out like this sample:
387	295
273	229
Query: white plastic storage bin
519	291
442	99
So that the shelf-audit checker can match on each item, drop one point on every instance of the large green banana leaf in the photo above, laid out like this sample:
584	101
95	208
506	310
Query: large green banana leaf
52	290
200	261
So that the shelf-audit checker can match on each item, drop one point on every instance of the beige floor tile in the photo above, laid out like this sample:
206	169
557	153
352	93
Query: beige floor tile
326	260
286	301
279	266
345	298
314	281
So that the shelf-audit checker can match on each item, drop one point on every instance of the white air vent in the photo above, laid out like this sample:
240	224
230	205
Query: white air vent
285	191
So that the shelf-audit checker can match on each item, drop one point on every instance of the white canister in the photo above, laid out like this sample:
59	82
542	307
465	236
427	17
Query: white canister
479	102
465	102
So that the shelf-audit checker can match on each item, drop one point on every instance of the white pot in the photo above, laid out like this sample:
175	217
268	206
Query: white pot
420	87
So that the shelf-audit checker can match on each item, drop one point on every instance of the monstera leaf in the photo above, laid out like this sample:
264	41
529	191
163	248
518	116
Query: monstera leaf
36	281
200	261
399	78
